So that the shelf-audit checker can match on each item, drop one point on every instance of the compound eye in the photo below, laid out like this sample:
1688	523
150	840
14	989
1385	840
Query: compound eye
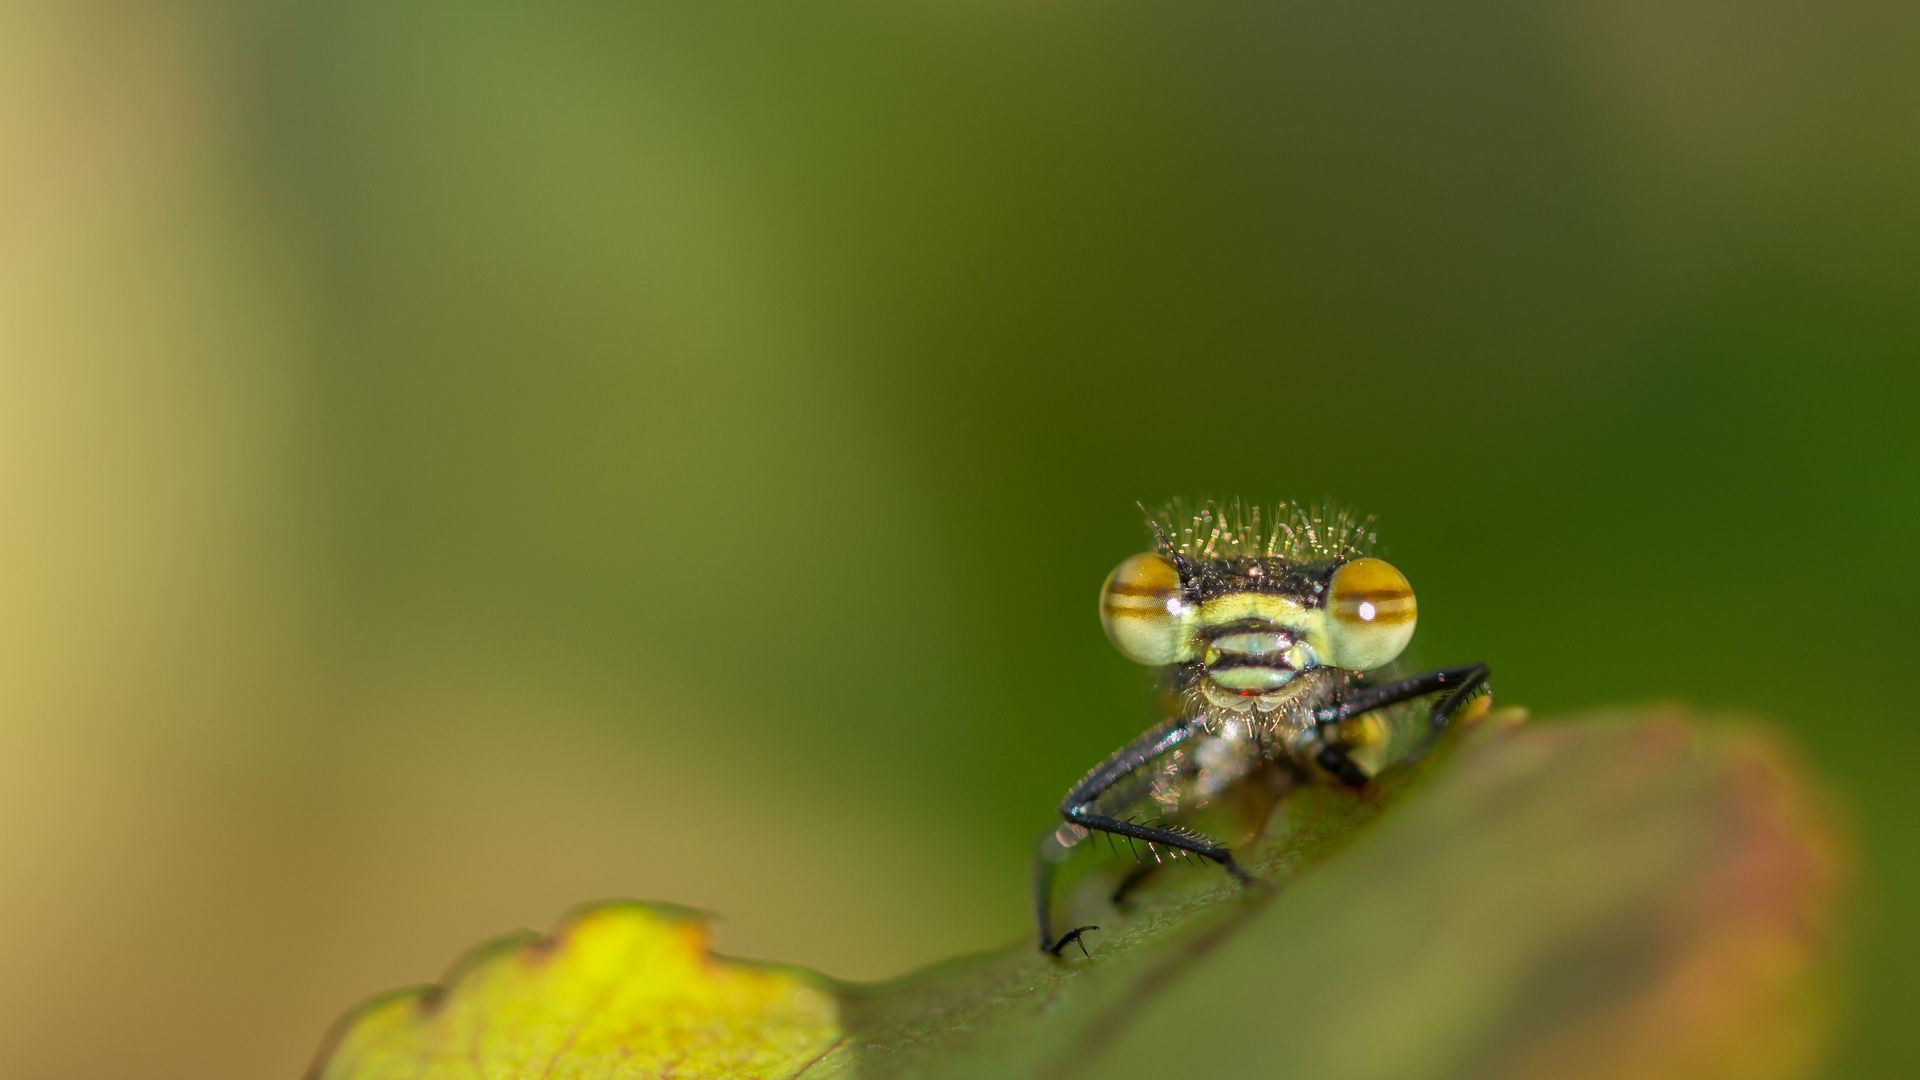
1141	609
1370	614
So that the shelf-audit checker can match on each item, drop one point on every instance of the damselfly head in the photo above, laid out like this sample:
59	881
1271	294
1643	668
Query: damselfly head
1251	607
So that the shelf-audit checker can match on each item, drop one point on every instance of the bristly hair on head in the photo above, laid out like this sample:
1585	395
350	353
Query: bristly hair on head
1290	531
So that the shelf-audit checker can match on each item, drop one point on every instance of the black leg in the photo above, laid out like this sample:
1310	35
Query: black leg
1077	808
1156	741
1192	843
1463	681
1335	760
1077	935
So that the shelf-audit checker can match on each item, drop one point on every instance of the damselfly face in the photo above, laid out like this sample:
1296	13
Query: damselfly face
1245	612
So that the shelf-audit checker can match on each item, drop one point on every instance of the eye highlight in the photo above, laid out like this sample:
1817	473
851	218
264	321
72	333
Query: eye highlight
1140	608
1370	614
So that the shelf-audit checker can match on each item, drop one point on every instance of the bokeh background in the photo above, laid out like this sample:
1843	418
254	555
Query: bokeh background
462	460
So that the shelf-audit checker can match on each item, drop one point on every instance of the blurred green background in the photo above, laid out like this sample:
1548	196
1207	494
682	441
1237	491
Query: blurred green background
462	460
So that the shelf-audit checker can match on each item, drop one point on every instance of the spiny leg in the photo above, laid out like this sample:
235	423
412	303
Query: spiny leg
1462	681
1192	843
1155	741
1077	808
1472	681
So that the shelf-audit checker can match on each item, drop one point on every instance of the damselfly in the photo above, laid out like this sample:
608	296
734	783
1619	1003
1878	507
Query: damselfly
1276	638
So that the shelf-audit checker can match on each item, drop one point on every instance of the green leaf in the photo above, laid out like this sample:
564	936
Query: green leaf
1622	896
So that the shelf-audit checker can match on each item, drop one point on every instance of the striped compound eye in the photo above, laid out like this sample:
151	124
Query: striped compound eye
1141	609
1370	614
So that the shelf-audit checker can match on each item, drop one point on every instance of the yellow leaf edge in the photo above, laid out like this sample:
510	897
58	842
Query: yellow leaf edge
617	988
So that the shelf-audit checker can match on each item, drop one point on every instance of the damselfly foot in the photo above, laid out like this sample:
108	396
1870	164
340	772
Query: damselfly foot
1071	937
